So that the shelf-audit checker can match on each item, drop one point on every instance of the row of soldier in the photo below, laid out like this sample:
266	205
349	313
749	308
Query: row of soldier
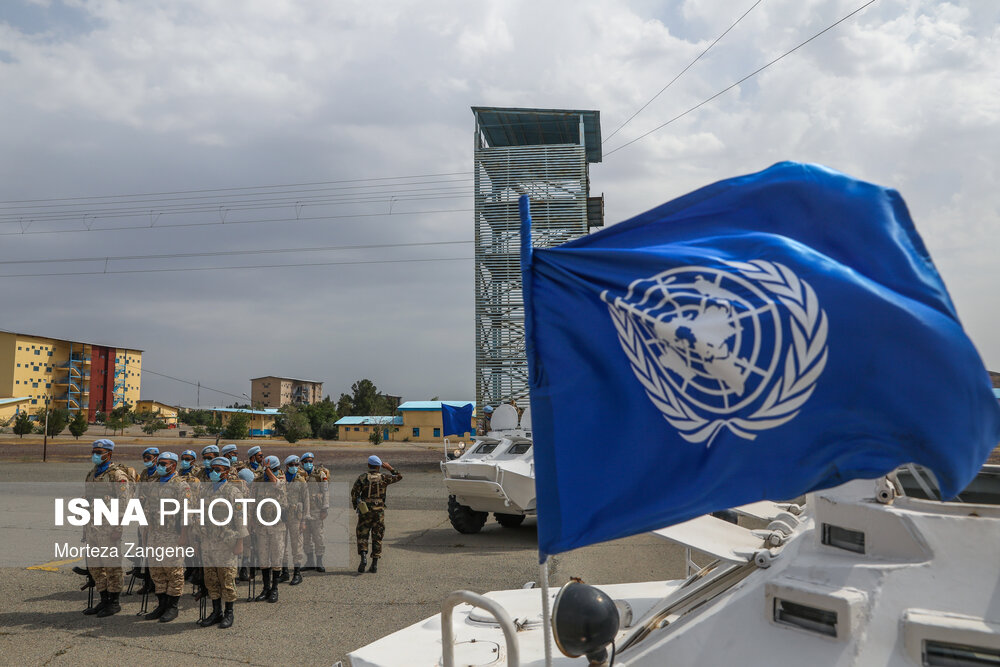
299	487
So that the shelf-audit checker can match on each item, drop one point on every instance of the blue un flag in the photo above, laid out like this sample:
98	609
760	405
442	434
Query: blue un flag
456	419
759	338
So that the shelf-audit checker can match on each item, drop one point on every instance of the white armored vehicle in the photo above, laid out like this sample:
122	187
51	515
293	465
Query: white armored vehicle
495	474
866	573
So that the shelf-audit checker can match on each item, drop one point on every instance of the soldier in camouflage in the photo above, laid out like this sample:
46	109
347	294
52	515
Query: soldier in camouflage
207	454
147	475
368	498
107	481
221	546
295	520
255	458
166	531
188	467
269	541
318	482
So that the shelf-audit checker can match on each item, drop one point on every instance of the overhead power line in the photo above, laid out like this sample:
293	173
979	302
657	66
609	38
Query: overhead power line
733	85
681	73
193	384
248	187
232	253
230	268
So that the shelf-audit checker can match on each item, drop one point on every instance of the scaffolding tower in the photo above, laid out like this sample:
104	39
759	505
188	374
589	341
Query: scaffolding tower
545	154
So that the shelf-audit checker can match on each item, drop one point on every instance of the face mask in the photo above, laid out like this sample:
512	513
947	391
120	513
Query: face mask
293	470
308	467
185	465
214	476
98	459
206	462
161	470
150	464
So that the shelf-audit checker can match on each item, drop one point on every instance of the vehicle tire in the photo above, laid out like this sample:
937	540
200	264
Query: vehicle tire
463	518
509	520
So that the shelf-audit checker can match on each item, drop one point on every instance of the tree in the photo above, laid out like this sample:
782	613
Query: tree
292	424
151	427
22	423
328	431
345	406
58	419
318	414
365	399
379	424
100	416
115	423
79	425
238	426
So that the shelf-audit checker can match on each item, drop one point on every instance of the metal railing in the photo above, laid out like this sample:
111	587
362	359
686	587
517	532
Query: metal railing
503	618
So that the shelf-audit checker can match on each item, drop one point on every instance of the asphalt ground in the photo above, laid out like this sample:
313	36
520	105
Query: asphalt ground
328	615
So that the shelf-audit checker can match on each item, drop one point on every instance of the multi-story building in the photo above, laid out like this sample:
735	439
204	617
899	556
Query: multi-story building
272	391
78	376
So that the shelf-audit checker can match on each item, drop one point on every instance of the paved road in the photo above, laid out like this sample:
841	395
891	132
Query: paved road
319	621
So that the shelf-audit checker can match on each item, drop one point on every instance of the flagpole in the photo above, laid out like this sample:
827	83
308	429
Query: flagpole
546	617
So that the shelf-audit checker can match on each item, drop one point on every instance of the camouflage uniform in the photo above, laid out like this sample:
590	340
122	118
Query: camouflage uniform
370	487
113	482
298	508
192	476
269	541
167	574
319	503
217	543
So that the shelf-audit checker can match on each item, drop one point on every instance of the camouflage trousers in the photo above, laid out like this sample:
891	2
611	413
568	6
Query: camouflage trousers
293	548
269	548
373	521
169	580
314	537
108	578
221	582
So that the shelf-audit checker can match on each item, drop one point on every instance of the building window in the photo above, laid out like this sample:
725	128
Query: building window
35	385
50	353
356	428
34	368
38	352
416	432
437	433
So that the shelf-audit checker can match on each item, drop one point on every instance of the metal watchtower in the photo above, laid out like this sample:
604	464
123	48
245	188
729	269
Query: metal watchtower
545	154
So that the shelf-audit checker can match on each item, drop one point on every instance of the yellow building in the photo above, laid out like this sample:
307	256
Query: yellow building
78	376
261	421
9	407
272	391
422	421
168	413
360	428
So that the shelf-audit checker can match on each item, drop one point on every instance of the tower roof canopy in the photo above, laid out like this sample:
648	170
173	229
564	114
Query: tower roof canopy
532	127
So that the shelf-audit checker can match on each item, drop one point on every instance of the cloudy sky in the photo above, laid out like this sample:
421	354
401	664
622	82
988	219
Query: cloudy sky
299	121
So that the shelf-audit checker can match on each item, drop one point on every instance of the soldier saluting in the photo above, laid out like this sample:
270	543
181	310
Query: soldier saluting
368	498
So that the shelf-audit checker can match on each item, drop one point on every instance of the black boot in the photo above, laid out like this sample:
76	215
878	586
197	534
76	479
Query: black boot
265	574
170	613
215	616
244	573
374	568
227	616
160	607
364	561
319	564
273	595
310	563
90	611
283	577
296	577
112	608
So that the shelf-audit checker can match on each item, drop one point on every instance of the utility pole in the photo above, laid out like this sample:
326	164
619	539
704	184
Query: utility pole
45	437
199	396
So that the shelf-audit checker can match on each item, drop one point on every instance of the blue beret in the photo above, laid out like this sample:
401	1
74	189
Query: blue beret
246	475
253	450
211	449
308	455
374	461
168	456
104	443
189	452
220	461
151	450
272	462
291	459
228	448
488	409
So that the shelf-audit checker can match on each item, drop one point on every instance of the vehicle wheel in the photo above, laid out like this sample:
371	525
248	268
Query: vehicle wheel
464	518
509	520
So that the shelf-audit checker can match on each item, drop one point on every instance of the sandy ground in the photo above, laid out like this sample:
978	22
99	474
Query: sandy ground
315	623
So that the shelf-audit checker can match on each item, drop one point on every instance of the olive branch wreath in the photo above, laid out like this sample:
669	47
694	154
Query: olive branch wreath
804	361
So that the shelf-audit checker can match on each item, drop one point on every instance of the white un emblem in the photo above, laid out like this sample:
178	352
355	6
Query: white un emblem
739	349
